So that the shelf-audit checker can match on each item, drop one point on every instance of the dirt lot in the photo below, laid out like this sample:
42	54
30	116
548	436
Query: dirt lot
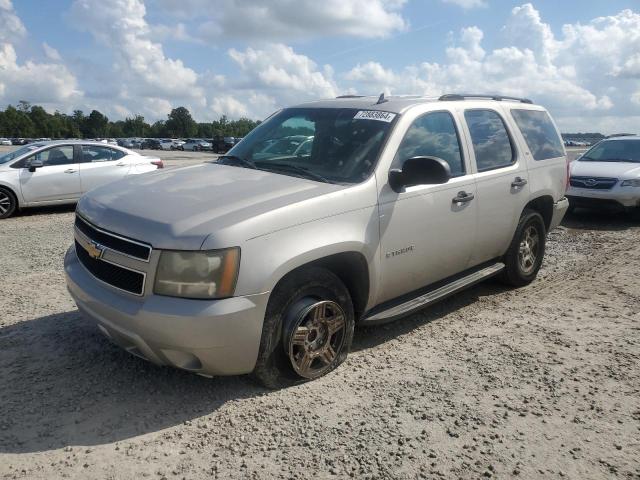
537	382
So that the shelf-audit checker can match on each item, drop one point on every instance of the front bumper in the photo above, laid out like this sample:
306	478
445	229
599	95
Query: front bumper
559	209
623	196
216	337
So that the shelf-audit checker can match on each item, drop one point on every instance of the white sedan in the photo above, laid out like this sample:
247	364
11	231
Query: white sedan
608	174
50	173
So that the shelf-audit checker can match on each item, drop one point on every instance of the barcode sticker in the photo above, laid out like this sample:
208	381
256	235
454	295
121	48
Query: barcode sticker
375	115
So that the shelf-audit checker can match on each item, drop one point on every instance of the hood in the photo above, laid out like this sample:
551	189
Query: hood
621	170
179	208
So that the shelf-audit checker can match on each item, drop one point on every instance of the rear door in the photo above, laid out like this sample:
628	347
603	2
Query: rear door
57	180
427	235
102	164
501	181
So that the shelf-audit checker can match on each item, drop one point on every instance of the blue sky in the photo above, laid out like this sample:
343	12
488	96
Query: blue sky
247	58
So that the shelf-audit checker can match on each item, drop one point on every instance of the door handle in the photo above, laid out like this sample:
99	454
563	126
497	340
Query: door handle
463	197
121	164
70	170
519	182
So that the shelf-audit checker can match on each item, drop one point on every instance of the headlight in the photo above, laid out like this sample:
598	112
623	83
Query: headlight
631	183
208	274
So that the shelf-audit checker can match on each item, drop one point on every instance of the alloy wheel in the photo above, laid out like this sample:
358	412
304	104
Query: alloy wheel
316	338
5	203
528	250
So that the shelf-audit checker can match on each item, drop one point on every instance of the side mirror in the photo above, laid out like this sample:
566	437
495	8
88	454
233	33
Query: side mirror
419	171
33	164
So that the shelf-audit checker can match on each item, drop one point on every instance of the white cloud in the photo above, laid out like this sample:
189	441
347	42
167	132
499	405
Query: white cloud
147	71
51	53
11	26
467	4
44	83
284	72
287	19
572	75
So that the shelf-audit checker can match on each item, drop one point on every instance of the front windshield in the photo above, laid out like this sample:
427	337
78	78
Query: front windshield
7	157
337	145
614	151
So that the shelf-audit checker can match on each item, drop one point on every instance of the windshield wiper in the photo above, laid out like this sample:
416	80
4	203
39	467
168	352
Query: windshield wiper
294	168
240	160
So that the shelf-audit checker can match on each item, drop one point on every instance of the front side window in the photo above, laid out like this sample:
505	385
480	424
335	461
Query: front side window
433	135
62	155
7	157
614	151
97	153
335	145
539	133
491	142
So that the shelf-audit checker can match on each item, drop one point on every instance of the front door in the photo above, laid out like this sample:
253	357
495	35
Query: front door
427	231
57	180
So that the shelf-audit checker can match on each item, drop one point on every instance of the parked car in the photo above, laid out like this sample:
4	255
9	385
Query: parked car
223	144
19	141
196	145
47	173
126	142
5	141
177	143
265	265
167	144
607	175
150	144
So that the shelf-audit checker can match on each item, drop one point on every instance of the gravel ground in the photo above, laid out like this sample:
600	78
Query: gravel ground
537	382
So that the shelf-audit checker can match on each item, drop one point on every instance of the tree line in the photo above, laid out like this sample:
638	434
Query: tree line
32	121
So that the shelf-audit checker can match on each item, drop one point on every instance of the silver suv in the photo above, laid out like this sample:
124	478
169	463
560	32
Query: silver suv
265	260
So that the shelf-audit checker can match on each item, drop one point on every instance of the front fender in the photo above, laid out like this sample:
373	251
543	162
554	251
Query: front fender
267	259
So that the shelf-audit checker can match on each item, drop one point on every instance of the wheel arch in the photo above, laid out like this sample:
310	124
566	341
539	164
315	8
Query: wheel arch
351	267
544	206
13	192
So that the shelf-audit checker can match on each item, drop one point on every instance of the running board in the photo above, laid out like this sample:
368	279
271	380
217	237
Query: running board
432	296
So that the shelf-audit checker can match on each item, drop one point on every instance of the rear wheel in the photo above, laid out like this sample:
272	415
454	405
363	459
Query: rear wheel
307	331
524	257
8	203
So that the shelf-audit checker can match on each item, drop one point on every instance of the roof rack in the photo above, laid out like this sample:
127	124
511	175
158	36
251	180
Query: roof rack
465	96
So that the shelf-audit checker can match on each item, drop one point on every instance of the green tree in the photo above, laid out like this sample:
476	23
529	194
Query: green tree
181	124
135	127
16	123
95	125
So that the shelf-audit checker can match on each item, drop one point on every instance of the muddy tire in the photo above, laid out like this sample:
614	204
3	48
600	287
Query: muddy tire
307	330
525	254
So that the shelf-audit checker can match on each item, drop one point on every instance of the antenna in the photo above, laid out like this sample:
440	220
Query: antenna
381	99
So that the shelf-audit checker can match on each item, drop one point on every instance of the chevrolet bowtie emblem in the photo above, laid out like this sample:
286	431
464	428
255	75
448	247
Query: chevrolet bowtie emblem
95	250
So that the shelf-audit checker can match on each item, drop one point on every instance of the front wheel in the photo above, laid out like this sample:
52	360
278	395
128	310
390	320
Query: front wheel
524	257
8	203
307	331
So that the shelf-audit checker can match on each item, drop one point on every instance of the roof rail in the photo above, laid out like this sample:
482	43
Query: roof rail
465	96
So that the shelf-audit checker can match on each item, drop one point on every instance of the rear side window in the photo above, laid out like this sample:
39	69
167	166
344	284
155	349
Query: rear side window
491	142
97	153
539	133
433	135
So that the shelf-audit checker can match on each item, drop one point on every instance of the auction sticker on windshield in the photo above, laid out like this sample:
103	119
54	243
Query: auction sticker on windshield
375	115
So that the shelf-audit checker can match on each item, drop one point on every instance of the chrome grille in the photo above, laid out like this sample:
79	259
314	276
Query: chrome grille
115	275
118	243
595	183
